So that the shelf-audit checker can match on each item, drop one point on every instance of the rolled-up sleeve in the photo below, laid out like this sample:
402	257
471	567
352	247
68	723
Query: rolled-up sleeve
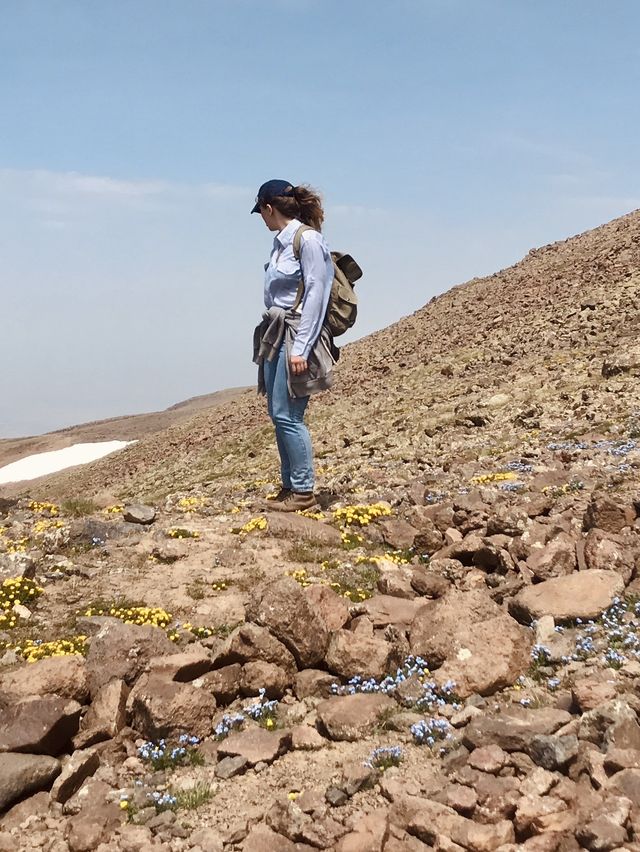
317	273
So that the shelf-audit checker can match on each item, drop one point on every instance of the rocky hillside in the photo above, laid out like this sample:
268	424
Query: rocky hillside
444	656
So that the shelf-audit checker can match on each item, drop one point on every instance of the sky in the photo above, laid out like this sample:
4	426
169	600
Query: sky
447	137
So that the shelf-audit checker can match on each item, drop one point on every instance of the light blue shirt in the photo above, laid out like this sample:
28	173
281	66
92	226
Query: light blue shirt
282	276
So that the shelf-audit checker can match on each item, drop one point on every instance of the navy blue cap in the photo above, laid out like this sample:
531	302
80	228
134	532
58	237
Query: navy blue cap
270	190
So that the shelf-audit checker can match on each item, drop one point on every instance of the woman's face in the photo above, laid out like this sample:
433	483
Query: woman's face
267	213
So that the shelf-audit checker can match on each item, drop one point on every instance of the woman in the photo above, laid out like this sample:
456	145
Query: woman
292	347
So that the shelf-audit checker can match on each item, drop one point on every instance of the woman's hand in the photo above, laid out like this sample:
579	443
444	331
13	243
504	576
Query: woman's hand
298	365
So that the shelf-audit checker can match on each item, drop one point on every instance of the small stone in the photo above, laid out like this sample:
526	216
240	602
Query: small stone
306	738
336	797
230	766
490	758
553	752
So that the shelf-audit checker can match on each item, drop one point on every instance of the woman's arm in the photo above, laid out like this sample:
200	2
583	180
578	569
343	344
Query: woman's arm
317	273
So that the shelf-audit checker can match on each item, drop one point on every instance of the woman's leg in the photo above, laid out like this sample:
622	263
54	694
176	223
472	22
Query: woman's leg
287	414
270	369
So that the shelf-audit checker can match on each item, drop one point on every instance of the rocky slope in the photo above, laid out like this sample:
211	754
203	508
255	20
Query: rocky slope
446	656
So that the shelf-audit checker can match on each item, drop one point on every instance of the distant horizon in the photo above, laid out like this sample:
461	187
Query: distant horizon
447	139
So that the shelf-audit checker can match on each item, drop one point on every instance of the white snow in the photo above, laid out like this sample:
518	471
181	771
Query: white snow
40	464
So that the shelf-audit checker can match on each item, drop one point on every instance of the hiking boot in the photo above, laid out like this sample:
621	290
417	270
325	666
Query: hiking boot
280	496
294	502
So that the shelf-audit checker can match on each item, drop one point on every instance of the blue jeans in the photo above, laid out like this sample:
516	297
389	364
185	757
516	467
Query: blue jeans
292	436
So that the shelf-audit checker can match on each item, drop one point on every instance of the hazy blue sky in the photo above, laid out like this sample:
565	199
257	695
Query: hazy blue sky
448	137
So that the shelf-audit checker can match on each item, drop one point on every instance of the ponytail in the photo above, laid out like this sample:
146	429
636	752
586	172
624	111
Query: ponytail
310	206
304	204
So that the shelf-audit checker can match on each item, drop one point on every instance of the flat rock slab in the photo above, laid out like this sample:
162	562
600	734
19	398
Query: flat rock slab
514	730
64	676
183	667
584	594
39	725
349	717
297	527
21	774
80	766
383	610
256	745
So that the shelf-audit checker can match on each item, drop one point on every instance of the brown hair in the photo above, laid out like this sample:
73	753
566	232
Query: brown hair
305	204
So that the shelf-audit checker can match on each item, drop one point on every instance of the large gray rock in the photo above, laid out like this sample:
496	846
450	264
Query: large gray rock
138	513
584	594
21	774
39	725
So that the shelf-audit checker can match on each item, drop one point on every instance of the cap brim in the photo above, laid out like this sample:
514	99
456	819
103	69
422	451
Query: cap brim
256	209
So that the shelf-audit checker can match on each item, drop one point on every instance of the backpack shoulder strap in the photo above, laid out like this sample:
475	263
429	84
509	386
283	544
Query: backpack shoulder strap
297	239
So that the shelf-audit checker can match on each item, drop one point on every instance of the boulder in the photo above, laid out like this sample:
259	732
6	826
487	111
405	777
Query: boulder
64	676
555	559
471	641
122	651
138	513
224	683
183	667
106	716
328	605
80	766
287	612
609	552
258	674
583	594
159	707
352	654
297	527
605	513
349	717
39	725
21	774
249	642
384	610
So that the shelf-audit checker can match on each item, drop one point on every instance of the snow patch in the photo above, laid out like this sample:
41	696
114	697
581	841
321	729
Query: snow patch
40	464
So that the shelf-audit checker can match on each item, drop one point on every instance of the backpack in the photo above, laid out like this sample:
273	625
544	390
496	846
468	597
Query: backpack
343	302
